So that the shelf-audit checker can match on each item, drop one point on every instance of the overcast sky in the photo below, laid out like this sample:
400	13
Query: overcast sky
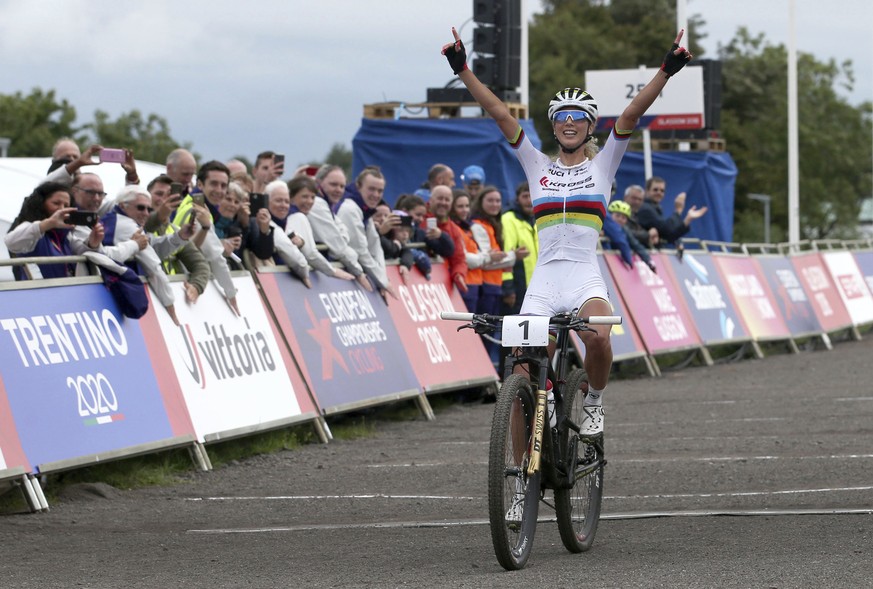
237	78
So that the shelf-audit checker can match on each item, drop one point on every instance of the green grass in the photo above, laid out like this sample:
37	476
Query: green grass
175	466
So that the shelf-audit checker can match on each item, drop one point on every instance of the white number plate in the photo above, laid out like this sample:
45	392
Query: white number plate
525	331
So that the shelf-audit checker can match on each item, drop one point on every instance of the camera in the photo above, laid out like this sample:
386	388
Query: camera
257	202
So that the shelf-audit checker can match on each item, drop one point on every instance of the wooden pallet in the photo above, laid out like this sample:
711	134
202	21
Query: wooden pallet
707	144
435	110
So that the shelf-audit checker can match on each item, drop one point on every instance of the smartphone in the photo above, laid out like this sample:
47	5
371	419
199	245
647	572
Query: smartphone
279	159
115	156
257	202
199	198
406	221
177	188
431	222
84	218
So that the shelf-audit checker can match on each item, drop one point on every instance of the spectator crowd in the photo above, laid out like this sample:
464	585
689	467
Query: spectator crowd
202	221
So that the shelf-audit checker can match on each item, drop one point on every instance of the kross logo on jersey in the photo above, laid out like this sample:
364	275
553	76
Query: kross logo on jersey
544	181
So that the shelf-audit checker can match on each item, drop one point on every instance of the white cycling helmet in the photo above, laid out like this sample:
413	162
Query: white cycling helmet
573	97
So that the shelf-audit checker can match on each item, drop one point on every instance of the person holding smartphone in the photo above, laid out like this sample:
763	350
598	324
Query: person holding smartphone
43	229
268	166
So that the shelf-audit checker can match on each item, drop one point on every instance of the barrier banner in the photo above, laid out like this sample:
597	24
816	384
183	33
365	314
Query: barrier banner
851	285
706	295
826	302
11	454
655	304
440	355
343	338
788	293
752	296
232	371
865	264
624	339
77	378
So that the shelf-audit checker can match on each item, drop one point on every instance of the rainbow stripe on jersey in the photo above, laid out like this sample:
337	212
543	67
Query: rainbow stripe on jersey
587	210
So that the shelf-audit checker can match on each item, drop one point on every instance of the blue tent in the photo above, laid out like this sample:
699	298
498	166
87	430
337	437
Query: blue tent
405	149
707	177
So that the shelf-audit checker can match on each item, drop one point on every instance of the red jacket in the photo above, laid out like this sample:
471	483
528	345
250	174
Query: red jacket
458	260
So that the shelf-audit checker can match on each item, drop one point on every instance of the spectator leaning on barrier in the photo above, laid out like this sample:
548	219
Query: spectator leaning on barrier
355	212
132	208
89	197
331	182
41	229
213	178
397	240
620	212
302	190
439	206
437	242
186	259
634	195
519	230
460	216
286	244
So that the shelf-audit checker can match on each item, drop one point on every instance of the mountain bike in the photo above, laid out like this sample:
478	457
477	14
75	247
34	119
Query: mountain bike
535	436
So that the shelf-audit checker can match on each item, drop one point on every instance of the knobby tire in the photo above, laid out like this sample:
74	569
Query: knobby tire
578	508
512	541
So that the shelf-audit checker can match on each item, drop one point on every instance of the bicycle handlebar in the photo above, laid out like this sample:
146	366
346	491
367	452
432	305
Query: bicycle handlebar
592	320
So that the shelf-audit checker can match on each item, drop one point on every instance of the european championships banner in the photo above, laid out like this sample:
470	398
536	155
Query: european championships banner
826	301
233	371
77	377
440	355
343	338
709	303
789	295
655	305
752	296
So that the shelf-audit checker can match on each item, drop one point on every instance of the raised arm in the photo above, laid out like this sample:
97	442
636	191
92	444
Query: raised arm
674	60
457	56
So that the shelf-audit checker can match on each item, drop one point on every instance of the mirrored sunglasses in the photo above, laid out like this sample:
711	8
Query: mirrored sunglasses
572	115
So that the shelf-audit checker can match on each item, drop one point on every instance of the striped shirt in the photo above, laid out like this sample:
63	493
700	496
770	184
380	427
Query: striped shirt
569	202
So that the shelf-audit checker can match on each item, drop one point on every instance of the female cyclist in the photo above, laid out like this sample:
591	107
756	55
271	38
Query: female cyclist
570	196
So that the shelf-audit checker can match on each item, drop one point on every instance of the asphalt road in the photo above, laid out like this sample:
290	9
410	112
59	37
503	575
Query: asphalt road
751	474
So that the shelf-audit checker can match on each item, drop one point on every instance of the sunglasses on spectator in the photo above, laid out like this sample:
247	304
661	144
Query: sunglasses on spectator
572	115
143	208
92	192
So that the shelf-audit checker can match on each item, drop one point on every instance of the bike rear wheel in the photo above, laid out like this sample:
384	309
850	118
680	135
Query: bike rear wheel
578	508
513	497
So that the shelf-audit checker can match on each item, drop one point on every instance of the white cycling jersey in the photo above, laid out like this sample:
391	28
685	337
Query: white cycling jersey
569	205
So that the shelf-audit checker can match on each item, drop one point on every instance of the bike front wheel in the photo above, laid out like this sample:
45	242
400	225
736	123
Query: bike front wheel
513	496
578	508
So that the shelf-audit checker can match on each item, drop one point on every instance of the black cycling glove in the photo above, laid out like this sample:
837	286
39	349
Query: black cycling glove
457	56
672	62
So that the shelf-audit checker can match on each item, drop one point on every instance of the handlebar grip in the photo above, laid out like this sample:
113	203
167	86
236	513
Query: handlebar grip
604	320
454	316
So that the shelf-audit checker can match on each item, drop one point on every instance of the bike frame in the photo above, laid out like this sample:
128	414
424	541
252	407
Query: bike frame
546	454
